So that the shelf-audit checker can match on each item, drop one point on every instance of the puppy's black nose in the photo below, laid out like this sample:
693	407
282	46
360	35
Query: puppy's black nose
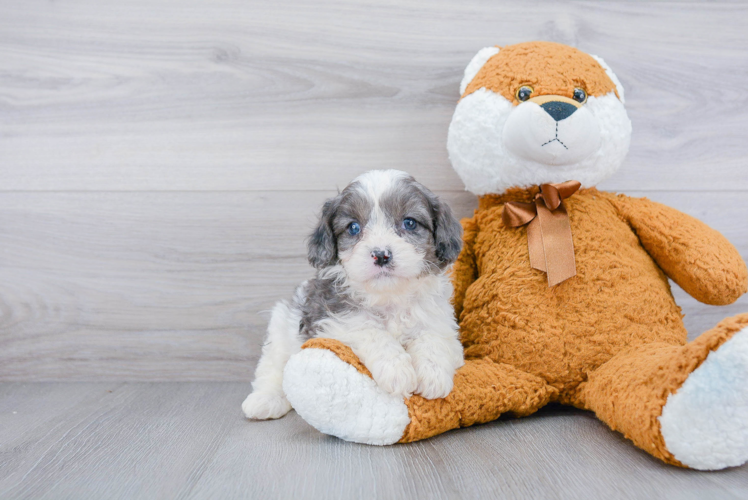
559	110
381	257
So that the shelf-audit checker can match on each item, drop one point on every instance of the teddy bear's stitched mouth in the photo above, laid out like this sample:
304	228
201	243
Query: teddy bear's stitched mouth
555	139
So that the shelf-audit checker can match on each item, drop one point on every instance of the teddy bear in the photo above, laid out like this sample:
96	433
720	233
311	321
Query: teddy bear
561	291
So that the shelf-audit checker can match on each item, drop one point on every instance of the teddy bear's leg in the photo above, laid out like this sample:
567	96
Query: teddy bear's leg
334	392
685	404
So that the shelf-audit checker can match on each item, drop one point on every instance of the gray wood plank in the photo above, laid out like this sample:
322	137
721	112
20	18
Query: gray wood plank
148	286
189	440
149	95
115	441
173	286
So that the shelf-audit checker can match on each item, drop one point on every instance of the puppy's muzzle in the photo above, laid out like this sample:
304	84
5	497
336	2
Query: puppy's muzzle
381	257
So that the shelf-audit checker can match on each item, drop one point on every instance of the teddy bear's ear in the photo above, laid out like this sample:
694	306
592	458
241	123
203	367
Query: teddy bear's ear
612	76
476	64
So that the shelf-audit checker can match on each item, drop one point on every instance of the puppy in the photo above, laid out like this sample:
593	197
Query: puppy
381	249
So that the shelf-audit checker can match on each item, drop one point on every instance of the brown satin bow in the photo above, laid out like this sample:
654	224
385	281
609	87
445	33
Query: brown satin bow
548	233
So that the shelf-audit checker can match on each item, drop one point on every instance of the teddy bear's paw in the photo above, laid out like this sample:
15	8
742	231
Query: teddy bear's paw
434	381
705	423
336	399
264	405
395	375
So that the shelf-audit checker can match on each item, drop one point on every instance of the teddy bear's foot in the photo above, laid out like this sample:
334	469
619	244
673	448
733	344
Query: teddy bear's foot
341	399
705	423
333	391
685	404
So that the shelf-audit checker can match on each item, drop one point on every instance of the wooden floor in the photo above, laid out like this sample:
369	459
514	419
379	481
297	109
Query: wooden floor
189	440
161	164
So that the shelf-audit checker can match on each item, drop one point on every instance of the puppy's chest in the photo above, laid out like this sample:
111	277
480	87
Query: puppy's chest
400	322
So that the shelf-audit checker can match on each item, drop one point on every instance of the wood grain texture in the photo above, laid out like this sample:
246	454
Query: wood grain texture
173	286
227	95
160	164
148	286
189	440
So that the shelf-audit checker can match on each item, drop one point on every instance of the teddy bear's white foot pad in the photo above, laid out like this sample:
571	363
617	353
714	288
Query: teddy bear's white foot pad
705	423
336	399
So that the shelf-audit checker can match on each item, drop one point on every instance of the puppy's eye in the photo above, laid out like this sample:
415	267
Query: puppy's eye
580	95
354	228
524	93
409	224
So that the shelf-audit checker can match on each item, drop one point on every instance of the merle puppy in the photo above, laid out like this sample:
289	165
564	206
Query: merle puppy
382	249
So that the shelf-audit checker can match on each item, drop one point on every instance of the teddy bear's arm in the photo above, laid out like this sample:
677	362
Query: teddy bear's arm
465	270
698	258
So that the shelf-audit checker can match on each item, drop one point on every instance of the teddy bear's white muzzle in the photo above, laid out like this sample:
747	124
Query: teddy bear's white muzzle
532	133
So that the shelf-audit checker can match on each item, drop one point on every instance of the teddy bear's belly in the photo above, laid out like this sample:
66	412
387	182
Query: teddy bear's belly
619	298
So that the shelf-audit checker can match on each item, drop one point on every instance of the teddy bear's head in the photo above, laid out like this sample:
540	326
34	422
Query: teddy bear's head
535	113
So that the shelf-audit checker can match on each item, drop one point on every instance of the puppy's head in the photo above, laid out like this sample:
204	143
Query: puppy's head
385	228
534	113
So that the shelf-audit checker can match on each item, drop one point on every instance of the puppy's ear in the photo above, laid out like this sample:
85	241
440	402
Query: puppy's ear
447	233
322	247
447	229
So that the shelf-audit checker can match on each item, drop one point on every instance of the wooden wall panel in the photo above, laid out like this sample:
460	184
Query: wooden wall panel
160	163
171	286
294	95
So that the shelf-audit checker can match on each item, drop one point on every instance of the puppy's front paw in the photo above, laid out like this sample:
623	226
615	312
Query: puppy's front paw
395	375
264	405
434	381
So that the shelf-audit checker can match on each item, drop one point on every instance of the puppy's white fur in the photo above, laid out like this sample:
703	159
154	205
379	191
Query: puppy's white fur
403	329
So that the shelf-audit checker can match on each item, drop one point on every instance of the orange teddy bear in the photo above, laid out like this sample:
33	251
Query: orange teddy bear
561	290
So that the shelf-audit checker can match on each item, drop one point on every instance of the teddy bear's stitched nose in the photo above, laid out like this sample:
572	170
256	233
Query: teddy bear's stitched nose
558	110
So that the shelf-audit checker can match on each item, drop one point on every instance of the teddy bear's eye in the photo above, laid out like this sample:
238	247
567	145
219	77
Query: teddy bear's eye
524	93
580	95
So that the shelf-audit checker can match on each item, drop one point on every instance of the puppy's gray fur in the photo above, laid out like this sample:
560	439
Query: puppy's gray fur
363	303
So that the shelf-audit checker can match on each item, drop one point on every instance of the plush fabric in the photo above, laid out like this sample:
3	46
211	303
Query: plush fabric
525	64
338	399
619	299
341	350
494	142
702	422
610	339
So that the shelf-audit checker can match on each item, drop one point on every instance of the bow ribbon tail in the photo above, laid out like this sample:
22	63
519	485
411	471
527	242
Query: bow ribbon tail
535	244
554	246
